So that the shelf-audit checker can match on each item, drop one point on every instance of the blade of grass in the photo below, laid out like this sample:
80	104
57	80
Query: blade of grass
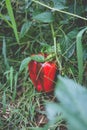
10	12
4	53
4	102
15	85
80	54
11	77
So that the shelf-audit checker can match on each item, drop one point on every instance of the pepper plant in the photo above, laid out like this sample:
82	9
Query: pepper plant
71	105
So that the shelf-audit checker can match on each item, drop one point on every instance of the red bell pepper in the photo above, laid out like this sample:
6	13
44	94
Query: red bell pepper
42	75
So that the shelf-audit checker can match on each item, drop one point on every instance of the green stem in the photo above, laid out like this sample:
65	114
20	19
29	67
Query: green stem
55	48
61	11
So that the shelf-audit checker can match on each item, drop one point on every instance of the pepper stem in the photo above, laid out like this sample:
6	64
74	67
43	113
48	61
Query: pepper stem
50	57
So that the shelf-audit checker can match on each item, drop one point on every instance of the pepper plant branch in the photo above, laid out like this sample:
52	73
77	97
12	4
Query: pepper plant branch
61	11
54	39
55	48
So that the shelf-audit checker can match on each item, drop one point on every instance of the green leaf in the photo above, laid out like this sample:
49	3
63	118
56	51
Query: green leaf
52	110
67	42
45	17
46	48
10	12
80	54
24	64
38	58
50	113
73	103
26	26
59	4
6	19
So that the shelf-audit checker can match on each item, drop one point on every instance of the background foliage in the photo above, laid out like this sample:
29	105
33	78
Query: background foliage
72	104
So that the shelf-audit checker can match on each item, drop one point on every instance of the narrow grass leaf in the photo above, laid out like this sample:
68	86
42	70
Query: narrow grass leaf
80	54
15	86
4	53
10	12
11	77
4	102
